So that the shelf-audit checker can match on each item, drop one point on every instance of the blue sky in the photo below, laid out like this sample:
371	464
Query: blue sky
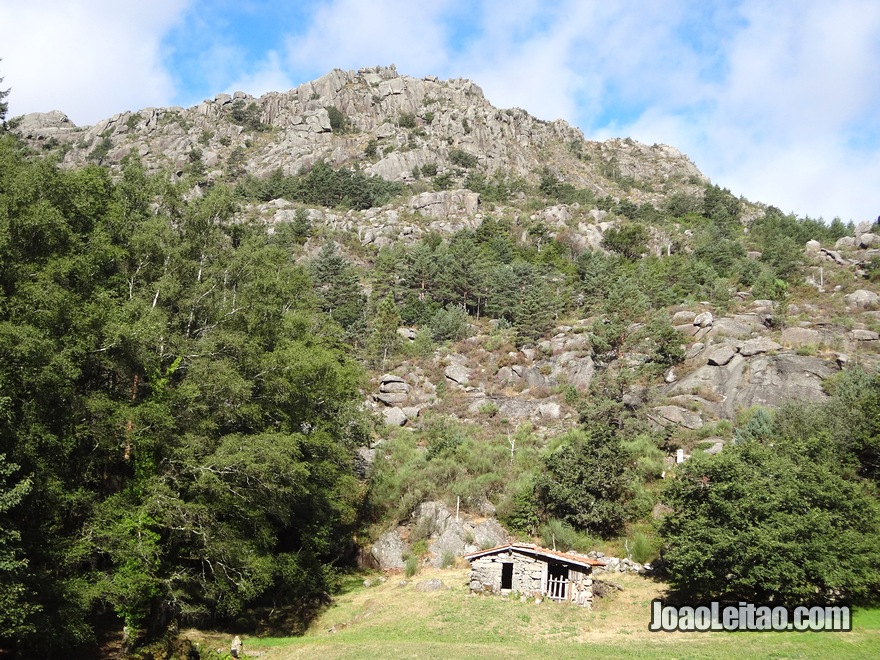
778	100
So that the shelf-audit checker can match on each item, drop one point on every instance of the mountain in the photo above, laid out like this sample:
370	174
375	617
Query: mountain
448	145
297	330
414	123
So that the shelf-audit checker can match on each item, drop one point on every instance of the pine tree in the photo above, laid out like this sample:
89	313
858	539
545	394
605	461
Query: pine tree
339	291
384	339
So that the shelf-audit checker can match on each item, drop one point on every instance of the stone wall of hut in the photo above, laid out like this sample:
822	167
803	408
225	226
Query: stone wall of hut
529	577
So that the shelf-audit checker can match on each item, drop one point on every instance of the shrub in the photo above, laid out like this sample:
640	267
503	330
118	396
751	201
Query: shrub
429	169
586	482
443	182
447	560
642	549
339	123
773	521
246	115
520	512
406	120
562	536
411	565
323	186
629	241
450	323
462	158
444	437
101	150
489	409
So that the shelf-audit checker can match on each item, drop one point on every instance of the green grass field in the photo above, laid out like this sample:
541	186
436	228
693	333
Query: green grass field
391	620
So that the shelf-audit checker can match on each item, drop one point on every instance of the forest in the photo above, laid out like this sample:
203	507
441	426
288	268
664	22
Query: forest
181	398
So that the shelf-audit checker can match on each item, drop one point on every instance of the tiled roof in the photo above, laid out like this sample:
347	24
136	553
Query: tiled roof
531	549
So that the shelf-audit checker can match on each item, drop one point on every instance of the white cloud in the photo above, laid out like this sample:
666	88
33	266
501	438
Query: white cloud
267	76
88	58
775	121
350	34
776	101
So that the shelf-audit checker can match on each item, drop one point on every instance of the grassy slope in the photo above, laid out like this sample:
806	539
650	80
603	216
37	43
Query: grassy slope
390	620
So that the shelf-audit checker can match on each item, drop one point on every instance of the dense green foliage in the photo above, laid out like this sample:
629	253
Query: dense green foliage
178	415
339	123
247	115
585	481
782	515
322	186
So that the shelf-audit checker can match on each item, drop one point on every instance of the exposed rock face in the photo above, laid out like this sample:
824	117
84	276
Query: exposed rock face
763	380
758	345
457	373
801	337
731	327
444	117
721	356
388	550
703	320
682	317
677	415
394	416
550	410
863	299
865	335
446	203
868	240
43	123
454	537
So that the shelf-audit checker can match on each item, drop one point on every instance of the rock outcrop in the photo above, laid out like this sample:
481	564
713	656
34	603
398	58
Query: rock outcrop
762	380
414	123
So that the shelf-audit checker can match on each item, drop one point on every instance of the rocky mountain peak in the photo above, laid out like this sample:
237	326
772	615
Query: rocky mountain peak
391	125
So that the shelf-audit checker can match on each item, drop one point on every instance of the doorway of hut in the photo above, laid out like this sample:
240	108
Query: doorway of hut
507	576
557	582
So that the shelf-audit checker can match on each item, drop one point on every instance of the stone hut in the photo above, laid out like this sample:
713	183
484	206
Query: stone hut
533	571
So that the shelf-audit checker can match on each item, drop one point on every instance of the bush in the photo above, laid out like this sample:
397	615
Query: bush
629	241
520	512
323	186
562	536
246	115
585	482
443	182
451	323
411	566
339	123
772	522
406	120
429	169
101	150
444	437
642	550
462	158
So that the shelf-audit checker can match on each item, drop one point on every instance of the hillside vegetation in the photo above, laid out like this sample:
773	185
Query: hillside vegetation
244	344
400	619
